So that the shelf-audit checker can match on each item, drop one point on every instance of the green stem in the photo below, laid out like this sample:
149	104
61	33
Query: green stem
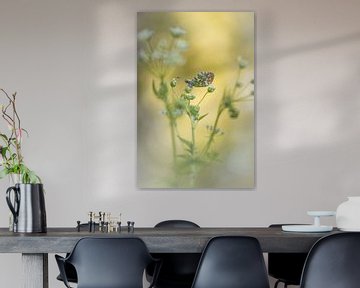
193	166
213	132
193	138
202	98
173	139
244	98
235	85
242	90
172	119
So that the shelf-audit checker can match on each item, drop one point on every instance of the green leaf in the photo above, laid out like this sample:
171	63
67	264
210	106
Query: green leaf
163	91
186	142
3	151
33	178
202	116
189	150
27	175
3	173
154	88
26	132
13	156
4	137
182	156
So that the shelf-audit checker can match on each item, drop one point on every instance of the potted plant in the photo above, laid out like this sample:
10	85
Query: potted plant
12	161
26	198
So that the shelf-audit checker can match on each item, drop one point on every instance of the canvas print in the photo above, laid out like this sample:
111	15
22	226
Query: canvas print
195	100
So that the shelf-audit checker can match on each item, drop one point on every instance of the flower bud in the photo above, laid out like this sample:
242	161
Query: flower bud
189	96
177	31
242	63
211	88
238	84
173	83
145	35
194	110
233	112
188	89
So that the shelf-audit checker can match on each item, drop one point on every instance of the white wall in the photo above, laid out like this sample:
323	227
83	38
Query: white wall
73	64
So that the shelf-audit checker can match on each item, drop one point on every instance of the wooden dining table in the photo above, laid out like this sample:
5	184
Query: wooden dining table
35	247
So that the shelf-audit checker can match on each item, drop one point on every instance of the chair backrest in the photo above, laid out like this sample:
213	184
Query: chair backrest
178	269
232	262
110	262
333	262
287	267
176	224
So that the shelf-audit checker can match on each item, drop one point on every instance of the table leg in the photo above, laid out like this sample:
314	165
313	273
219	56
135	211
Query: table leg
35	270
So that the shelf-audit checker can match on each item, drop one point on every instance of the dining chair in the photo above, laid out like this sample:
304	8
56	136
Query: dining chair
108	263
333	262
231	262
178	269
285	267
69	269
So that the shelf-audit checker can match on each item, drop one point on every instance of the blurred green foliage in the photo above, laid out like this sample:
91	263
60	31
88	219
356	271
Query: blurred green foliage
184	58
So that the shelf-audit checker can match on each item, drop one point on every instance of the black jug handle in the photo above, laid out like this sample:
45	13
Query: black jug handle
13	208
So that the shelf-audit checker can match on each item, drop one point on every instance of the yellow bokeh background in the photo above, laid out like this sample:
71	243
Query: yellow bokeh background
216	40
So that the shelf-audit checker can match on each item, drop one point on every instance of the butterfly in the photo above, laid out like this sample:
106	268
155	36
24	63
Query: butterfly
202	79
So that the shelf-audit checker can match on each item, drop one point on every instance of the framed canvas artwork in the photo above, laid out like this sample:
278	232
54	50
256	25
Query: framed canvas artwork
195	100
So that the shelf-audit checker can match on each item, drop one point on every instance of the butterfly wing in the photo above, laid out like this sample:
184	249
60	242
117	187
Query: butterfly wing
202	79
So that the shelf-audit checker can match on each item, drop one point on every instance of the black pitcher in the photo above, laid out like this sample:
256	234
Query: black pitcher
28	207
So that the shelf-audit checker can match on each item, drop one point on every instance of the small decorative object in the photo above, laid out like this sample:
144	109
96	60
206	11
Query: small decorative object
316	227
348	214
25	197
78	225
131	226
104	221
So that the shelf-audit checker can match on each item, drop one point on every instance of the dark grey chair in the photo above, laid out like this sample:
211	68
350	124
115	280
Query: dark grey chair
333	262
232	262
286	267
108	263
69	269
178	269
